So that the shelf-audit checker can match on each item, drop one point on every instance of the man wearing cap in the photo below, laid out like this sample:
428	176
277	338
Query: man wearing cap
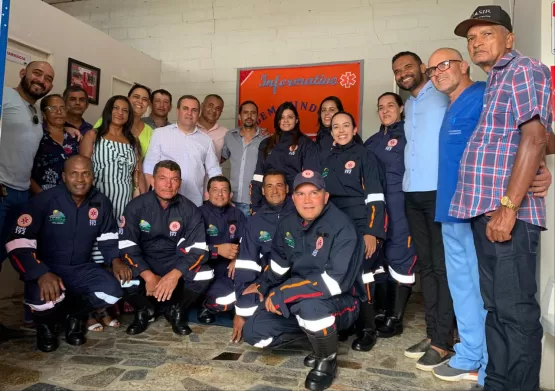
496	171
316	257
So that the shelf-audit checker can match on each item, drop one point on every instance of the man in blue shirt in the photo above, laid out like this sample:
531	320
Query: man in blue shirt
424	111
450	74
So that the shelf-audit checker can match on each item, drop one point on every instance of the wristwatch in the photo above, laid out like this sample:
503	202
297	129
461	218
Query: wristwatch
507	203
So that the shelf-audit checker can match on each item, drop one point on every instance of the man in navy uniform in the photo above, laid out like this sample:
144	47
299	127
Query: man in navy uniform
162	239
316	258
225	225
51	245
256	245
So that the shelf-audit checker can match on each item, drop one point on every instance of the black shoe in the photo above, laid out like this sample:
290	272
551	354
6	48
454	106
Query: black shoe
344	335
7	334
140	322
418	350
380	319
322	375
431	359
179	321
206	316
391	328
366	340
47	340
310	361
380	302
74	331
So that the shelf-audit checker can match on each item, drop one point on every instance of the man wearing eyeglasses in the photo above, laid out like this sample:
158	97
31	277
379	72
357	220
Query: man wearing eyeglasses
19	139
424	111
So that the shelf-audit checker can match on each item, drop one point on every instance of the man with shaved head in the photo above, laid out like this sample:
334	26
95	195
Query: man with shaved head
496	171
50	246
19	140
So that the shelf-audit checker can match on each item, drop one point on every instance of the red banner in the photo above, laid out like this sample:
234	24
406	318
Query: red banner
303	85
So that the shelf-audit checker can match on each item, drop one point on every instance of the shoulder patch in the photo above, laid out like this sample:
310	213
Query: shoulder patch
24	220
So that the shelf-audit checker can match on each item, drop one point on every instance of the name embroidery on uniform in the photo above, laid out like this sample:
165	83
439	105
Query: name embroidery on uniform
349	166
144	226
325	172
57	217
232	230
174	227
121	224
289	240
390	144
292	149
265	236
319	245
212	230
23	222
93	215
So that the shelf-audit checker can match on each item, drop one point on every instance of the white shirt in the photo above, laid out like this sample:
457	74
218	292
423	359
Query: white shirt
194	152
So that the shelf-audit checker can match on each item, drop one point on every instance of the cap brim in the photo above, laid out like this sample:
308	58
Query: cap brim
462	28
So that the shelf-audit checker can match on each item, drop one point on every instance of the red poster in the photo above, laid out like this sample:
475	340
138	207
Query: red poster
303	85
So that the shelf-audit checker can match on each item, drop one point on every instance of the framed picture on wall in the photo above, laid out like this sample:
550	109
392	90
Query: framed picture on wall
86	76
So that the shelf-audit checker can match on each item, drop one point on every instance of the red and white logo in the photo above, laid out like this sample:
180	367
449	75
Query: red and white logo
232	229
174	226
391	143
121	222
24	220
347	80
293	148
319	243
350	165
93	213
308	173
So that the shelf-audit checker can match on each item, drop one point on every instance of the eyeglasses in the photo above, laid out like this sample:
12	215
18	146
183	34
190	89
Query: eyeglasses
442	66
53	109
35	114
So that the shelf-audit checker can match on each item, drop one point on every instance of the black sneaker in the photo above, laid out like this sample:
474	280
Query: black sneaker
418	350
431	359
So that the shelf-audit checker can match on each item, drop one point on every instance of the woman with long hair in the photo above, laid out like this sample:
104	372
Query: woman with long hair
139	96
394	288
55	147
328	107
287	150
354	181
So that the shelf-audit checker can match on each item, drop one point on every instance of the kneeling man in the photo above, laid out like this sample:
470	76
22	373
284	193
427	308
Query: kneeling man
308	288
162	238
51	247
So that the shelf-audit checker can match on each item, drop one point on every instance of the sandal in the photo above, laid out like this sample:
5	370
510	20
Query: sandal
93	324
107	320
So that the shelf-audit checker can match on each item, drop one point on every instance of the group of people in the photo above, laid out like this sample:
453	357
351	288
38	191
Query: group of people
306	239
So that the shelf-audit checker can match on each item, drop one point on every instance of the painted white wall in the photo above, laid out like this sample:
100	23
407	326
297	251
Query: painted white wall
39	25
202	42
534	38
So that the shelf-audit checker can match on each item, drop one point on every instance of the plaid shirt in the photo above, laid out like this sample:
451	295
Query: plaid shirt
518	89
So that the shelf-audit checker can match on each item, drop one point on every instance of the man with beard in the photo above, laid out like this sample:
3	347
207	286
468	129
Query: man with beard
210	112
241	146
424	112
19	141
161	104
77	102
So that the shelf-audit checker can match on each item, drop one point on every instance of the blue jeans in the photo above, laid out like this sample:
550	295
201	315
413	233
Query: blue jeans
10	207
508	286
463	277
245	208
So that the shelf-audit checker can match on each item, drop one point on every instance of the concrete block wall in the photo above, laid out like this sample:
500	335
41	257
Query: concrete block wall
201	43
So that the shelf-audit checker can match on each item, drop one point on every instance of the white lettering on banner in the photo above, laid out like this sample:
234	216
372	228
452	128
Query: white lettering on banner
18	57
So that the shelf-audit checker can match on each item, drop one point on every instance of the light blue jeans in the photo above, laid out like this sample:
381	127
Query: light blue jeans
245	208
463	278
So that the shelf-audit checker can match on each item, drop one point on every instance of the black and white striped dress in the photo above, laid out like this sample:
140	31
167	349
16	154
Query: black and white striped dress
113	166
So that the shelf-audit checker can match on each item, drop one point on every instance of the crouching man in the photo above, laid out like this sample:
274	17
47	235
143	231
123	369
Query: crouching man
51	245
162	239
308	288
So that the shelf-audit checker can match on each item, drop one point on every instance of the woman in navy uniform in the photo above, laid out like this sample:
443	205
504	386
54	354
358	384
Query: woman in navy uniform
388	145
328	107
287	150
354	181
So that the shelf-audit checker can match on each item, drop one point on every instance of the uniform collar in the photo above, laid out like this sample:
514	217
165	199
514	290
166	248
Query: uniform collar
286	205
336	148
507	58
175	200
396	128
216	209
92	192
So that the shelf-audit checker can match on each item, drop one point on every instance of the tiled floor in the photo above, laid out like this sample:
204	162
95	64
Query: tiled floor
205	360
